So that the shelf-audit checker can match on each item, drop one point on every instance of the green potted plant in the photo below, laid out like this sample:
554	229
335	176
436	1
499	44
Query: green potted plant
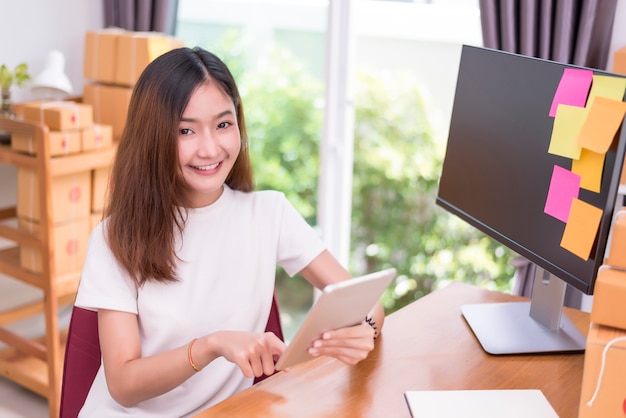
8	78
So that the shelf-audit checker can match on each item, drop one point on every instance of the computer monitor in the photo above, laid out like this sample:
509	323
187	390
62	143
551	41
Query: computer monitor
496	176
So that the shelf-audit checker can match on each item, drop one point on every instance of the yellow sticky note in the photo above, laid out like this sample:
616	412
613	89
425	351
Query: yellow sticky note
607	86
568	122
589	167
602	122
581	228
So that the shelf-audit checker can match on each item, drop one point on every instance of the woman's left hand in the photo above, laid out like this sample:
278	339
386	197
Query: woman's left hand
349	345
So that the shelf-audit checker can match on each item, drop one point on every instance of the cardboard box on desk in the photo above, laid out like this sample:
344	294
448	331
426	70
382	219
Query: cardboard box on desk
138	49
61	143
70	246
59	115
617	250
609	300
100	54
110	105
603	390
70	196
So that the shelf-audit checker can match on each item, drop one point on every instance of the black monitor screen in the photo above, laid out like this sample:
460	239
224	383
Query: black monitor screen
497	169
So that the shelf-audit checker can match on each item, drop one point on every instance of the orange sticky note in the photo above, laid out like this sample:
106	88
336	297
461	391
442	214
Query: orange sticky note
589	167
565	130
602	122
581	228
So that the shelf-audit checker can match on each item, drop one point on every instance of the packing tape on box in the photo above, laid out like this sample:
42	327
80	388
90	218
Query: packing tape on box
74	197
602	366
98	136
66	142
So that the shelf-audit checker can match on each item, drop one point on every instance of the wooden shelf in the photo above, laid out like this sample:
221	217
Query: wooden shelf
28	371
37	364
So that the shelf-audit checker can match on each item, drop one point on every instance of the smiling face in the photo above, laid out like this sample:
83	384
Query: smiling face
208	143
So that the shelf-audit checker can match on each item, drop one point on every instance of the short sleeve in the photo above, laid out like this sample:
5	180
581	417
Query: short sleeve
104	284
299	243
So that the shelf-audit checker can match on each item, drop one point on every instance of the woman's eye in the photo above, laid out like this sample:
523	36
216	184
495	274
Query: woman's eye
223	125
185	131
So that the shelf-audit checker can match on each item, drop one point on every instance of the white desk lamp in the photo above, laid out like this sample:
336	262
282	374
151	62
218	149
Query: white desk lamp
52	82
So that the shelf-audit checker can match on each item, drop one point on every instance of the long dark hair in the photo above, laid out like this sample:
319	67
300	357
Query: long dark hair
147	196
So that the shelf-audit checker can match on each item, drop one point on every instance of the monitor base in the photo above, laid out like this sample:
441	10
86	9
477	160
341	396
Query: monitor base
508	328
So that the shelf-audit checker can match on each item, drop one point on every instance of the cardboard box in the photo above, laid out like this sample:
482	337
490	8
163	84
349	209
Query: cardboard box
110	105
609	307
18	108
136	50
99	188
70	246
96	137
100	54
61	142
619	61
60	115
616	256
603	395
70	196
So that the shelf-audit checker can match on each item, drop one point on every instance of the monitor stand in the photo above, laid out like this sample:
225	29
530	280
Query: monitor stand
527	327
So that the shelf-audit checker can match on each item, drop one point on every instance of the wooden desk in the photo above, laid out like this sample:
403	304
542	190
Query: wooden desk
424	346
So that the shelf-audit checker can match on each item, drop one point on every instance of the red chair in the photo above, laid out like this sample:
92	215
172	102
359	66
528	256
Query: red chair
82	357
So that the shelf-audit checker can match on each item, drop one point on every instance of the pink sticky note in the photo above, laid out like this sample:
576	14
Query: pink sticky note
573	88
564	187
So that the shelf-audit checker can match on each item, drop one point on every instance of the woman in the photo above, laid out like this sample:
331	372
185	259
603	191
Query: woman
181	271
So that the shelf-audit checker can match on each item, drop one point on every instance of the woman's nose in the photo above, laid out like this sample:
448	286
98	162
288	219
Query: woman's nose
207	145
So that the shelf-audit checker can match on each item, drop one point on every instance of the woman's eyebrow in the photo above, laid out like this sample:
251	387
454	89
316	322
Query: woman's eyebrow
218	116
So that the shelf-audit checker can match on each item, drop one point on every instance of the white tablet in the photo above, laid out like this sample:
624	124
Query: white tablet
340	305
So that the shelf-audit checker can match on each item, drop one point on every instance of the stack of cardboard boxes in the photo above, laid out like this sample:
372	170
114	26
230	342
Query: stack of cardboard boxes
603	390
72	131
114	59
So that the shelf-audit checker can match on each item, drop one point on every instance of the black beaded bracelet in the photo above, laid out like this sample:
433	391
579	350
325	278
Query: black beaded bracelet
371	323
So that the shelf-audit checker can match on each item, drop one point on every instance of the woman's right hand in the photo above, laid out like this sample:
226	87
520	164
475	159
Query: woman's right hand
253	353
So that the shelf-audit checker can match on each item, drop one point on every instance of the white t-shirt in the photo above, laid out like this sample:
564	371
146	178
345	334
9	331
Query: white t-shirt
230	251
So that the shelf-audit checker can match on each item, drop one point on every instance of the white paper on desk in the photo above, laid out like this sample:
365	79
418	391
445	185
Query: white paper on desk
522	403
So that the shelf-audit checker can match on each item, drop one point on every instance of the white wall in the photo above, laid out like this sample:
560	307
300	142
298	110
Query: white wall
31	28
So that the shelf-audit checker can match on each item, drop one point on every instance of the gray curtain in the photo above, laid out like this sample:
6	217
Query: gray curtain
569	31
142	15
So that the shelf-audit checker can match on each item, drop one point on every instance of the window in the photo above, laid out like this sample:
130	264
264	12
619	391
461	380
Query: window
278	52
